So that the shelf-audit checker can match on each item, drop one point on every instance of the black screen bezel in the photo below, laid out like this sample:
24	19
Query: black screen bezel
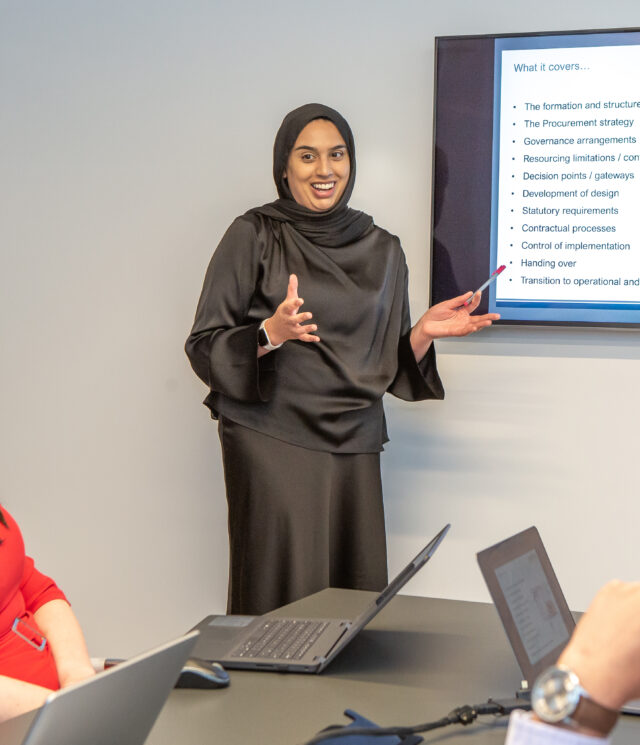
466	269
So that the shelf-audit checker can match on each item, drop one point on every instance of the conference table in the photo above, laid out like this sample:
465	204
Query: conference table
415	662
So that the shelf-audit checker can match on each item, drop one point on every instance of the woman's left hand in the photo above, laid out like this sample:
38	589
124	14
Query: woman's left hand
449	318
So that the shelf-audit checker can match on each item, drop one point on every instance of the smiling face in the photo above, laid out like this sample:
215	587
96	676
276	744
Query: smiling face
318	167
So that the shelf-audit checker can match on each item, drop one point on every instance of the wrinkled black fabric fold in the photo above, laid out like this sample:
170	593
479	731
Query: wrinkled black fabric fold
327	395
416	381
329	231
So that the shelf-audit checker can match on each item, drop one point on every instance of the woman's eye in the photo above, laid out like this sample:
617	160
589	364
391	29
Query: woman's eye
307	157
338	154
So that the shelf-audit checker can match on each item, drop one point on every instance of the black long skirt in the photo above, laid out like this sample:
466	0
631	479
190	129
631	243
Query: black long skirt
300	520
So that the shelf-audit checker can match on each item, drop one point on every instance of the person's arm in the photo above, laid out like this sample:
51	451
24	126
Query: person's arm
604	652
223	344
59	625
449	318
18	697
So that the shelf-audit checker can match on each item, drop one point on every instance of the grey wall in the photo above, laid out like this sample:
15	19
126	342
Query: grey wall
131	134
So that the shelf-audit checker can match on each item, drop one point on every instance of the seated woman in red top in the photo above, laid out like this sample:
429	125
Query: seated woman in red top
41	644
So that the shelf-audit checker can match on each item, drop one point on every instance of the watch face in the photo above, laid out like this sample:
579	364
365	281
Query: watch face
262	338
556	694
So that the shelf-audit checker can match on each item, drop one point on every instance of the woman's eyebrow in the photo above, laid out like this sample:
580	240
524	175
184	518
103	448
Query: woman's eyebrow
315	150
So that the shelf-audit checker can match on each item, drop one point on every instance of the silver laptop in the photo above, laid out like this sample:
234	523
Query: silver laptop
300	645
119	705
530	603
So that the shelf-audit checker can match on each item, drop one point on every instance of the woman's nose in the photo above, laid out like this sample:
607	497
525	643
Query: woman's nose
323	167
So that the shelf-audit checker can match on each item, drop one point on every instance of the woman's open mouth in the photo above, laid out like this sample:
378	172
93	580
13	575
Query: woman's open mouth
325	189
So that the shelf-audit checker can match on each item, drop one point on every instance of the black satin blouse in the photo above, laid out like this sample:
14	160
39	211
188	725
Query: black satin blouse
324	396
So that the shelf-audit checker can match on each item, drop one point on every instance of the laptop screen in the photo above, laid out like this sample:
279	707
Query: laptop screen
528	599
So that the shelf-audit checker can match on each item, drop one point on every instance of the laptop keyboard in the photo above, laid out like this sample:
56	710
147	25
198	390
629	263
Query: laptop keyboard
285	638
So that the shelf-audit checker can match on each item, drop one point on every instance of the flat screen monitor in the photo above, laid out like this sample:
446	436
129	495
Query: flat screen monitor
537	168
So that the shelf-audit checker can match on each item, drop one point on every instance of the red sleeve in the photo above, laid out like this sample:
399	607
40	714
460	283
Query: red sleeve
37	589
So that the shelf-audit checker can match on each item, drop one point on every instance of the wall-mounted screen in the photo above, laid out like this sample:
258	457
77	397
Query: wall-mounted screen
537	167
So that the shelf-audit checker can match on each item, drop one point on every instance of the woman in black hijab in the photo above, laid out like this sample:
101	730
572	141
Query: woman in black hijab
298	393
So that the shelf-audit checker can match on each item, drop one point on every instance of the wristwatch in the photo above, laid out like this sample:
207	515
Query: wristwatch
264	341
558	698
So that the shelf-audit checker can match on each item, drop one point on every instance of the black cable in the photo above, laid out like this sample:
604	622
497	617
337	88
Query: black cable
461	715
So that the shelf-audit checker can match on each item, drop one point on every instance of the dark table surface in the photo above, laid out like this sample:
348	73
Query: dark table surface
417	660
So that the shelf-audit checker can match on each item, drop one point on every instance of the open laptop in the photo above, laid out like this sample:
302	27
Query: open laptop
119	705
530	603
300	645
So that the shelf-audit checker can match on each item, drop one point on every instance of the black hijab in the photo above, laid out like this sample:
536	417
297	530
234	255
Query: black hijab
335	227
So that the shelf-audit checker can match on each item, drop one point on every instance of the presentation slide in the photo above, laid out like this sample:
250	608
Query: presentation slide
566	177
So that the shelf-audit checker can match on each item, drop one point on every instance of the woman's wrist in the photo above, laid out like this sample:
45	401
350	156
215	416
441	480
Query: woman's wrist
600	681
273	337
420	342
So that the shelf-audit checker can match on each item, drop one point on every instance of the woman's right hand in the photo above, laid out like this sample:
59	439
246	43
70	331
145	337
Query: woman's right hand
286	323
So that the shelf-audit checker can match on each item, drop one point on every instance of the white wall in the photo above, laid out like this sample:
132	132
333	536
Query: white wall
131	135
